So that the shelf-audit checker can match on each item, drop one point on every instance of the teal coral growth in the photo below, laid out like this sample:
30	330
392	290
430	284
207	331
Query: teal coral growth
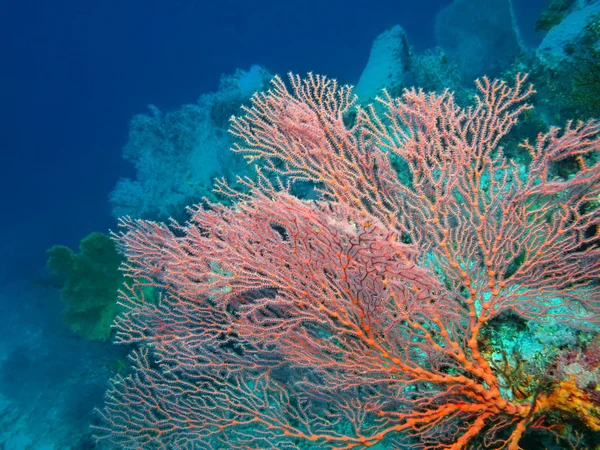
90	281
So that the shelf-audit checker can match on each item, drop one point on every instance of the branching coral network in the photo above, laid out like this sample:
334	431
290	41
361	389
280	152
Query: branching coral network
355	320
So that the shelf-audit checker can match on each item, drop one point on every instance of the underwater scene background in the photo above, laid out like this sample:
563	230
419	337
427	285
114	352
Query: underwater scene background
444	294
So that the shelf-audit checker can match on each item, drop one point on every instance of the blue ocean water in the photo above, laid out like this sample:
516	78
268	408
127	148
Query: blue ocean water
74	74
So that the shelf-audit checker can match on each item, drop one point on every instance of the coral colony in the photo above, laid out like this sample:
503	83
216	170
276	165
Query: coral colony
366	317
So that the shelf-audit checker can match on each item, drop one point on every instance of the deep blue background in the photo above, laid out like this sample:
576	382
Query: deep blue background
74	72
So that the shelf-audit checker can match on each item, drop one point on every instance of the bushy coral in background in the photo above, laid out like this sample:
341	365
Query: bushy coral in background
178	154
90	282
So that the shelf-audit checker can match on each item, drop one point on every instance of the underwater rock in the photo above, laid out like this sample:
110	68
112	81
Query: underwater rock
560	44
480	36
555	13
388	62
